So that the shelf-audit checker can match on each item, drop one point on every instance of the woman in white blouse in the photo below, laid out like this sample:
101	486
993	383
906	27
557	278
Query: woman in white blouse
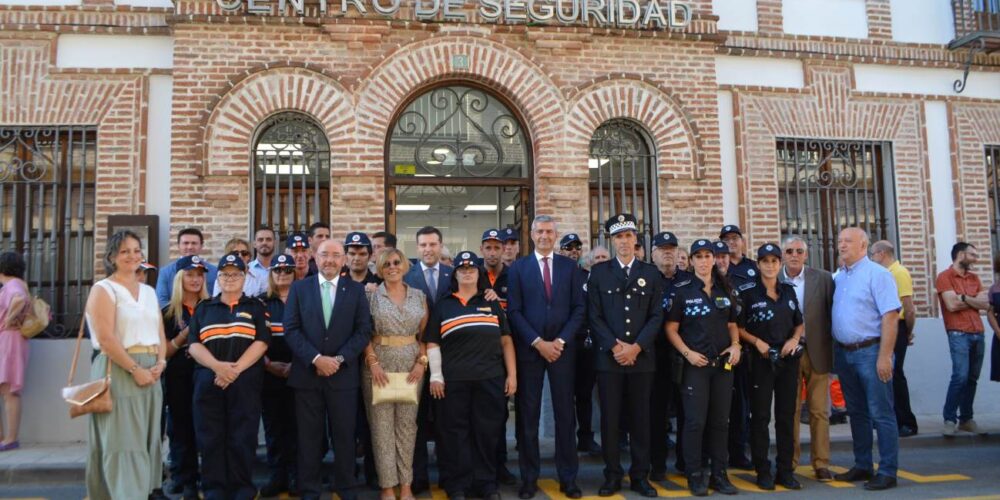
125	325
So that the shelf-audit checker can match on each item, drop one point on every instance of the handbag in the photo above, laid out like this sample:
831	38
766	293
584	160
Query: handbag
37	319
398	390
89	397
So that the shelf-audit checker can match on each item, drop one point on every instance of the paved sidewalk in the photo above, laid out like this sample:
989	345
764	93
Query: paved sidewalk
65	463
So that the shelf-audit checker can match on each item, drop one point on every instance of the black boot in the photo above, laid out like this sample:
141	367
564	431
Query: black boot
720	482
696	483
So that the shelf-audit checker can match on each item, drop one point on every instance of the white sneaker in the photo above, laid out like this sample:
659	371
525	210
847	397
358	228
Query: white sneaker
970	426
949	428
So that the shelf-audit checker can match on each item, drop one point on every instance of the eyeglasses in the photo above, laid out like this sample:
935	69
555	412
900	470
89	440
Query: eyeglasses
230	276
793	251
284	270
242	253
393	263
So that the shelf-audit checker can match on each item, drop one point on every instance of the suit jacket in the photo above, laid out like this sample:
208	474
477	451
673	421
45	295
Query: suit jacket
627	309
347	334
415	278
533	316
818	306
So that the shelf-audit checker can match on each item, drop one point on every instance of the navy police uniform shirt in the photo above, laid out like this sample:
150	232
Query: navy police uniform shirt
228	330
704	320
469	334
746	270
278	350
668	291
628	309
772	321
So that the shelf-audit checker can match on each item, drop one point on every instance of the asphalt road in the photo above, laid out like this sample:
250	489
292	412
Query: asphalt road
930	468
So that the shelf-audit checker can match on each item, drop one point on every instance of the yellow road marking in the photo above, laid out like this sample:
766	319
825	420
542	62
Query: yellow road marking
678	479
734	477
807	472
672	492
984	497
939	478
551	488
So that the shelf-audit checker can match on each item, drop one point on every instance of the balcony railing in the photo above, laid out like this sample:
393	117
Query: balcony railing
977	28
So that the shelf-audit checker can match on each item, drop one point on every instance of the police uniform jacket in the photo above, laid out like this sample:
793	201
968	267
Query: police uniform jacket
772	321
703	319
627	309
228	330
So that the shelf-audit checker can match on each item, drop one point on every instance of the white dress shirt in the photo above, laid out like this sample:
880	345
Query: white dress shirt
333	297
541	266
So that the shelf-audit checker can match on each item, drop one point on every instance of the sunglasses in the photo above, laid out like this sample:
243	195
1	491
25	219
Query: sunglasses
242	253
284	270
793	251
393	263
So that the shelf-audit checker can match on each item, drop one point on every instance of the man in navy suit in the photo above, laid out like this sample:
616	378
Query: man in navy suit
546	309
430	275
327	326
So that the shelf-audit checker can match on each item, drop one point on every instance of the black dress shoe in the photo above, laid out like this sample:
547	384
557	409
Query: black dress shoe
658	475
571	490
610	487
720	483
696	483
907	431
528	490
642	487
765	481
740	462
787	479
880	482
505	476
273	488
854	475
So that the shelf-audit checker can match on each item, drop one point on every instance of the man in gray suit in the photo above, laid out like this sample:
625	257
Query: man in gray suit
814	288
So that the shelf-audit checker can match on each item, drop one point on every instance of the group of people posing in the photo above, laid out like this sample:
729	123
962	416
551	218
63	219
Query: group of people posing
305	338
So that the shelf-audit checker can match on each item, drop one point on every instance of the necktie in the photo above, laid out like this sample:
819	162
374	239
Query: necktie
327	303
432	285
547	278
626	271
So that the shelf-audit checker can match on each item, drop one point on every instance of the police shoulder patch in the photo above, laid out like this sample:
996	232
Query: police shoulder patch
681	284
791	304
747	286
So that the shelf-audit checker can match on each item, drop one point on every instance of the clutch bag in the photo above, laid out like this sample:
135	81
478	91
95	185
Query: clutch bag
398	390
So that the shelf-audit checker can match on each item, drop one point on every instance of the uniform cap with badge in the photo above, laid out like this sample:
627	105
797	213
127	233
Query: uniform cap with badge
665	239
190	262
509	234
729	229
146	266
620	223
570	240
466	258
768	249
232	260
720	248
297	240
358	239
282	261
492	235
699	245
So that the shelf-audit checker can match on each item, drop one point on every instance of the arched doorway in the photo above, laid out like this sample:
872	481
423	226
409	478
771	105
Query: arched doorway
458	158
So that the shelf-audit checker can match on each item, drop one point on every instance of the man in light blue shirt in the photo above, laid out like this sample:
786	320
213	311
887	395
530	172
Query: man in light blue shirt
189	242
865	319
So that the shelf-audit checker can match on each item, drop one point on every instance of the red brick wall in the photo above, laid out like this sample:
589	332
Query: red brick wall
973	127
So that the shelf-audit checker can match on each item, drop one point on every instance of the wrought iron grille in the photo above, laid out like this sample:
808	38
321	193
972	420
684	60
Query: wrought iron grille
825	186
47	193
458	131
622	179
291	174
993	186
975	18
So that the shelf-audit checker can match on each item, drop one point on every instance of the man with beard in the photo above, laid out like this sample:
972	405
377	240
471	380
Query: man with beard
571	246
263	245
298	247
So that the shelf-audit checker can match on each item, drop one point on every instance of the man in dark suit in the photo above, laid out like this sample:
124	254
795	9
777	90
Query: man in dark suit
814	288
434	279
625	309
327	325
545	307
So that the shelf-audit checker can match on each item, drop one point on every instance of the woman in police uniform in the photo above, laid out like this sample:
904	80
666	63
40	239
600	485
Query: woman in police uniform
772	325
189	289
277	399
473	372
229	336
701	325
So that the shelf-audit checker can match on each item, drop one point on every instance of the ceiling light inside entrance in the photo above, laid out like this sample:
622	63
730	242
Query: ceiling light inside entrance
412	208
480	208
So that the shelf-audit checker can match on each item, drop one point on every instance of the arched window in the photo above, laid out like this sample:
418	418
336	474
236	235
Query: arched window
457	158
622	179
291	174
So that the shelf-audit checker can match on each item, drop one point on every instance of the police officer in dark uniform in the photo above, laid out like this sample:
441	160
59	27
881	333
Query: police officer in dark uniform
664	388
229	336
277	399
773	328
491	250
511	245
625	314
742	272
586	357
701	325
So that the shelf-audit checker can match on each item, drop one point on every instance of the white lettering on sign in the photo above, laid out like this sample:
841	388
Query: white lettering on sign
632	14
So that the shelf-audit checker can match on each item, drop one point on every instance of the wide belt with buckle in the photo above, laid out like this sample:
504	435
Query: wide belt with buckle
859	345
393	340
143	349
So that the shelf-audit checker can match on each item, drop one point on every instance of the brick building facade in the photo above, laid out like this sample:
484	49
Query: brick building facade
714	100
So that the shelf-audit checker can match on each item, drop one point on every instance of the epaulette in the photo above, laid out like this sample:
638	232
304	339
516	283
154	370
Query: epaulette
682	284
747	286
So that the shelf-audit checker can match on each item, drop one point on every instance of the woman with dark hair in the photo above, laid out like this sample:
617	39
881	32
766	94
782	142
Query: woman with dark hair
15	302
125	324
701	325
471	359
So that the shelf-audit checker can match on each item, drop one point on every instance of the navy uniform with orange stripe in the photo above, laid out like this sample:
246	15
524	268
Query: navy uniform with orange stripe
277	399
472	362
226	416
497	281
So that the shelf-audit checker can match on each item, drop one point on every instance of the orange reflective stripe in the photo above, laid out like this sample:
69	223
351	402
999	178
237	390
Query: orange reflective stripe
227	330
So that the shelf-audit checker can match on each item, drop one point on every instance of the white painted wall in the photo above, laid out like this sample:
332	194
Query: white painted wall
114	51
44	415
161	88
727	144
764	71
922	21
844	18
736	15
930	81
942	194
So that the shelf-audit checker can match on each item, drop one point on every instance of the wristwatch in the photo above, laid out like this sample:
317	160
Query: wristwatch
339	358
423	360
